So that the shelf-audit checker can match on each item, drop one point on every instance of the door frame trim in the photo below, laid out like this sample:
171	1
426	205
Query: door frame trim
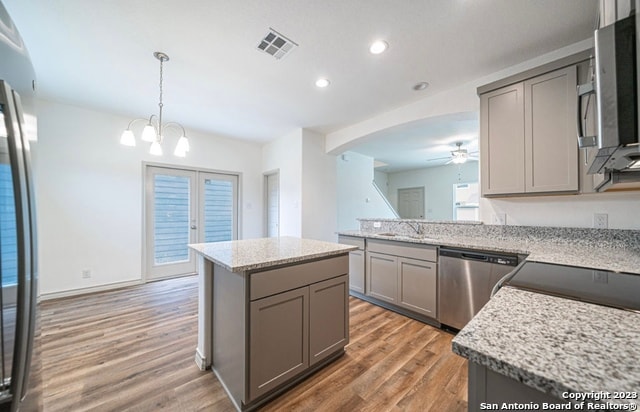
144	165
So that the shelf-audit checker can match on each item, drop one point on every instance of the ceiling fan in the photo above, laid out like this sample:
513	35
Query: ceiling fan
458	156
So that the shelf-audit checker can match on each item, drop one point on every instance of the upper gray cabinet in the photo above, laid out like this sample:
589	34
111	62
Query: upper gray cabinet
528	136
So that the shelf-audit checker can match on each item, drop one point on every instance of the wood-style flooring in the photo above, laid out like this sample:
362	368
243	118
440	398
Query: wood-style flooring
133	349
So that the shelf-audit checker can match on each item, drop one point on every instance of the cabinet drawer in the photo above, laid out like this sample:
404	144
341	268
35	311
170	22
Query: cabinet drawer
270	282
351	241
402	249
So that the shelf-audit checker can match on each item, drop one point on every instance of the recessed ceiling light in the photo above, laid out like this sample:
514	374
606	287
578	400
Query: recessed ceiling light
322	82
420	86
378	46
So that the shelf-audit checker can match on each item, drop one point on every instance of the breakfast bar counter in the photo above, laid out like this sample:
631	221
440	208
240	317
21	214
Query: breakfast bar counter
270	312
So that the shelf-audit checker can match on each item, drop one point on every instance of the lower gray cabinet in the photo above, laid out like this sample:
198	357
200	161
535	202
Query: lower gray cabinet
356	270
356	262
403	274
279	339
417	286
292	331
382	277
328	317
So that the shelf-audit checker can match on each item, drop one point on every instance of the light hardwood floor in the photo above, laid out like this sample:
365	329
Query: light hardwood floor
133	349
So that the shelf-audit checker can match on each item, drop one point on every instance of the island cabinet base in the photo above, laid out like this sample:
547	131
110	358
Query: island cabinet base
489	390
271	328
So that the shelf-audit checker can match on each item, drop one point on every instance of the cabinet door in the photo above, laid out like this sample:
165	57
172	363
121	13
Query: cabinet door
502	162
328	317
551	148
382	277
356	270
278	341
417	286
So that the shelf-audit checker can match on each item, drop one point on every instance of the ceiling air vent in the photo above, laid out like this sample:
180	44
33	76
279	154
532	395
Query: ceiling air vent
276	44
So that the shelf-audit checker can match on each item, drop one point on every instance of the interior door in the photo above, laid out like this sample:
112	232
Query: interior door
411	203
272	191
171	218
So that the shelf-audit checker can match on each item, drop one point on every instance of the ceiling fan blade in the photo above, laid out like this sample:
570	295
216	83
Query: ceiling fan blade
438	158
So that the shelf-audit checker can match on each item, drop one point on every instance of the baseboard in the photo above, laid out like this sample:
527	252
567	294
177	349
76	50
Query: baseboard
84	291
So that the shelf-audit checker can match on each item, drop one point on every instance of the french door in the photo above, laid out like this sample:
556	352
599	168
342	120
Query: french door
182	207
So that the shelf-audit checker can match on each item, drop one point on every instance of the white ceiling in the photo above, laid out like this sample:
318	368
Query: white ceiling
99	54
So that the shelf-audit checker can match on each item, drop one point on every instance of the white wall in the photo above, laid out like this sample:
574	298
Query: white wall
438	186
357	196
90	194
285	154
566	211
319	201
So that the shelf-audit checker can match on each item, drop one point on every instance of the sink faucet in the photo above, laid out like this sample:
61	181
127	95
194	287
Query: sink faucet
417	227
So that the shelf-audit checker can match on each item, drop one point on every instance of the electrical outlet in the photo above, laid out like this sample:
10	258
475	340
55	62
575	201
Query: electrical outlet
500	219
86	273
377	225
600	220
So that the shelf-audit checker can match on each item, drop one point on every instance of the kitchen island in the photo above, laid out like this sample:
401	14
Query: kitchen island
270	312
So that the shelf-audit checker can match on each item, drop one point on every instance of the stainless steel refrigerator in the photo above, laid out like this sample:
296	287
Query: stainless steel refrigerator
18	266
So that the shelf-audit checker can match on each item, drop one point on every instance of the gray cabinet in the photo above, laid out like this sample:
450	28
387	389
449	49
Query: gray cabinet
278	339
382	276
502	140
356	262
403	274
528	136
417	286
291	331
328	317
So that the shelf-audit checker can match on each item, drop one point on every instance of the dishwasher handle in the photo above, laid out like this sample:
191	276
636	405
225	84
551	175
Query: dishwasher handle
473	256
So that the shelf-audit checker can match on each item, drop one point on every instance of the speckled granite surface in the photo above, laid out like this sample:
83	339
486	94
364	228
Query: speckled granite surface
555	345
251	254
617	250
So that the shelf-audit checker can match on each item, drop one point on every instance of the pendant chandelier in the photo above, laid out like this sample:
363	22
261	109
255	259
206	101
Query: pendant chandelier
154	130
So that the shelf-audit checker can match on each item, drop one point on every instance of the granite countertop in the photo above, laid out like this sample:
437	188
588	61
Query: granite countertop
555	345
252	254
538	250
552	344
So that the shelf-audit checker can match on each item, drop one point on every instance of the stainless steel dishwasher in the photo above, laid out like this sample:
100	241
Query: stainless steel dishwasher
465	280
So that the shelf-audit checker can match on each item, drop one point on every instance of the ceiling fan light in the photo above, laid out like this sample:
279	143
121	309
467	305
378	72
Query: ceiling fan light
458	159
127	138
149	133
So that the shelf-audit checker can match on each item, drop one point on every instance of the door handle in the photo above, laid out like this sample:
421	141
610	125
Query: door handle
193	227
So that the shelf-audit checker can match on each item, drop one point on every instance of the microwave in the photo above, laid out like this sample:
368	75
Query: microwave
616	92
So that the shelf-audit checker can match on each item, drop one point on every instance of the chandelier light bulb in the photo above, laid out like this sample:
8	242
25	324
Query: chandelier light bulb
128	139
156	149
149	133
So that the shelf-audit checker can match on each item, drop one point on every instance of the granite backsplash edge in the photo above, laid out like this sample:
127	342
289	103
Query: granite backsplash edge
587	237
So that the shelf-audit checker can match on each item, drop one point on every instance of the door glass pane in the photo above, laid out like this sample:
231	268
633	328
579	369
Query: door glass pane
171	218
218	210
